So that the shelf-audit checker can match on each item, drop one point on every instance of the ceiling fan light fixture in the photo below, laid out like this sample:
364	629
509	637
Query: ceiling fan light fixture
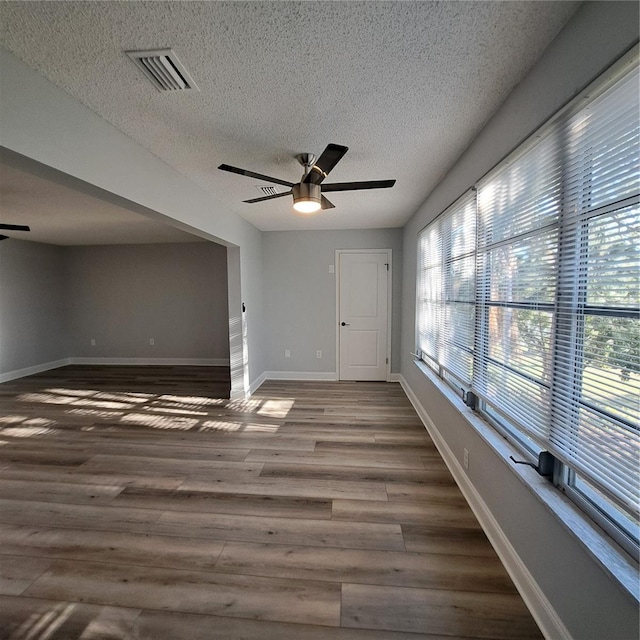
307	194
306	198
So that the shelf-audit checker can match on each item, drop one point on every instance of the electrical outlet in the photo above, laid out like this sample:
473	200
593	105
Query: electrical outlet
331	269
152	341
318	354
465	459
93	342
287	353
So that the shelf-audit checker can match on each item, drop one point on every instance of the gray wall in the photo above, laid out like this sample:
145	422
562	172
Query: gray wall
123	295
32	307
300	294
589	603
54	300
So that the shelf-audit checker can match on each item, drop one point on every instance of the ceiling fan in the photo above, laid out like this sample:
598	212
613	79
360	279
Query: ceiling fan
12	227
308	194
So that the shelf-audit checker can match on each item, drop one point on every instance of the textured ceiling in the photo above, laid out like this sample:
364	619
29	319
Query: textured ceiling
92	220
405	85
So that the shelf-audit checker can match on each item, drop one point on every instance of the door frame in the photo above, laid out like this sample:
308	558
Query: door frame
338	265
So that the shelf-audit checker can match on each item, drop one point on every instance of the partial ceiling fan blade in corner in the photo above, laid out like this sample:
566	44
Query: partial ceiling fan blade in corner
325	163
277	195
14	227
354	186
325	203
251	174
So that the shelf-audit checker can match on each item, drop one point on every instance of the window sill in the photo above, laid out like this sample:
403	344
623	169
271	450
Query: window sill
613	560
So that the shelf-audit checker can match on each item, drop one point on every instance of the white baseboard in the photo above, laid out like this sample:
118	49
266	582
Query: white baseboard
312	376
31	371
541	609
185	362
317	376
257	383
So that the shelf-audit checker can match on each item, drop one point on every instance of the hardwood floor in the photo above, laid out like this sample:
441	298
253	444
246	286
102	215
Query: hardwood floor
138	503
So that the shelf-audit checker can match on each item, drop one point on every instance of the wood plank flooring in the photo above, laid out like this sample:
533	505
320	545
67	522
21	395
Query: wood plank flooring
140	503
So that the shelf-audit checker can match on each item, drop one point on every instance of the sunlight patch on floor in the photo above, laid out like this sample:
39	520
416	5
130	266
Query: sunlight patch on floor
263	428
107	415
191	400
159	422
27	431
42	625
82	393
161	409
26	427
49	398
275	408
220	425
136	398
41	422
12	419
123	396
244	406
166	411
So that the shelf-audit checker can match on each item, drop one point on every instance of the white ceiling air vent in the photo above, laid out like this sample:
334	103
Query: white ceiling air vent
163	69
267	190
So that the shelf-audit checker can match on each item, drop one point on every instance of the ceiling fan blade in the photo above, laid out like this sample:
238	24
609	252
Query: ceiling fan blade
251	174
325	203
14	227
277	195
327	161
353	186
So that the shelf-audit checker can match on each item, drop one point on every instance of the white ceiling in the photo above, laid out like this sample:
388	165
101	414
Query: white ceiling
63	215
405	85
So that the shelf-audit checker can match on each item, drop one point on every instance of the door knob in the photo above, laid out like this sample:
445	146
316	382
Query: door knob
345	324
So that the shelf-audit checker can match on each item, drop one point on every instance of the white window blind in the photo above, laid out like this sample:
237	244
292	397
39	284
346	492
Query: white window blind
518	216
595	424
558	258
540	313
429	295
446	290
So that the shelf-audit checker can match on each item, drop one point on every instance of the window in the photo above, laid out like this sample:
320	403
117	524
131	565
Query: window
446	291
519	209
551	347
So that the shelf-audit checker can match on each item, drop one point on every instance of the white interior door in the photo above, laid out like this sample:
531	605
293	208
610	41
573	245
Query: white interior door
363	293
